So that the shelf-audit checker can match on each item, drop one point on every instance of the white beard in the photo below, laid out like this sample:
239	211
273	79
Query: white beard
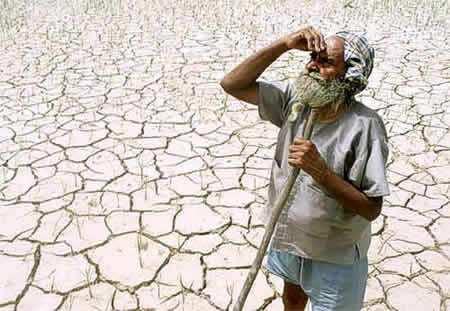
315	91
328	96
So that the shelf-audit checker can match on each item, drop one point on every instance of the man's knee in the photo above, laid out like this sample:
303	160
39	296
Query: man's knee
294	296
294	304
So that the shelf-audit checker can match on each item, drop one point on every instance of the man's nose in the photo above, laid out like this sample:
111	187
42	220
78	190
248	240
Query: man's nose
312	66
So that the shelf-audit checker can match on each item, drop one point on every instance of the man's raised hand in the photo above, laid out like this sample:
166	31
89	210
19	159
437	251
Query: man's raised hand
306	39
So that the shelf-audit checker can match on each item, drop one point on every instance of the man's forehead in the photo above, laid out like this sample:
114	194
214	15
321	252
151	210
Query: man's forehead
335	48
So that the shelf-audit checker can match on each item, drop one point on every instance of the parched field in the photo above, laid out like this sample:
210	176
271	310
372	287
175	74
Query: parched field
130	180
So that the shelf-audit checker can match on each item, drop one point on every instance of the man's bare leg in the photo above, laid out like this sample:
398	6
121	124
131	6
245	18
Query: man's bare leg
294	298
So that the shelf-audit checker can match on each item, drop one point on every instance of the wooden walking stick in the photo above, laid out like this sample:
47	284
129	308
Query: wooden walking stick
281	201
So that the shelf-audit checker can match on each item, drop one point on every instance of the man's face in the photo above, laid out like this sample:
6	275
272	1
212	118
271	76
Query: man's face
318	83
330	62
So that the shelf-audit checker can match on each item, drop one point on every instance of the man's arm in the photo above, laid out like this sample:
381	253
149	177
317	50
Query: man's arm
304	155
349	196
241	81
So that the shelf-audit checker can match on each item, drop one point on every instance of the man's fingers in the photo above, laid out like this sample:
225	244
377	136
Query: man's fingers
317	39
299	140
304	154
323	44
309	37
300	148
313	40
320	41
295	147
300	157
296	154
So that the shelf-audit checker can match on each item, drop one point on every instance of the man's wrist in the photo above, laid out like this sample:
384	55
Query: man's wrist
323	176
283	42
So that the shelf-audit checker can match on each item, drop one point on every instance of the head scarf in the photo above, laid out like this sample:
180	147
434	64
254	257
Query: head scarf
358	56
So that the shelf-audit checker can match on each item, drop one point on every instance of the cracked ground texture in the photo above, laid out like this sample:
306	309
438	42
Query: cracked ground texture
130	180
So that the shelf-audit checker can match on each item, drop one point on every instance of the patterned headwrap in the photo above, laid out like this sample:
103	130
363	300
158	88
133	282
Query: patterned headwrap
358	56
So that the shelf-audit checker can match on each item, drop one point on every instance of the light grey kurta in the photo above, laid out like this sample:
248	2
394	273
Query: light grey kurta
314	224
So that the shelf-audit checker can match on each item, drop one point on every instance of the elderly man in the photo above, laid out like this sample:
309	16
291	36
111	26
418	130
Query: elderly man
323	234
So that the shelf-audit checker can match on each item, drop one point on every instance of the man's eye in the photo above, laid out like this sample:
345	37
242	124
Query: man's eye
325	61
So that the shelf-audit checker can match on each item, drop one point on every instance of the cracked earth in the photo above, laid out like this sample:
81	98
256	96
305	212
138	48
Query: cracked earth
129	180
